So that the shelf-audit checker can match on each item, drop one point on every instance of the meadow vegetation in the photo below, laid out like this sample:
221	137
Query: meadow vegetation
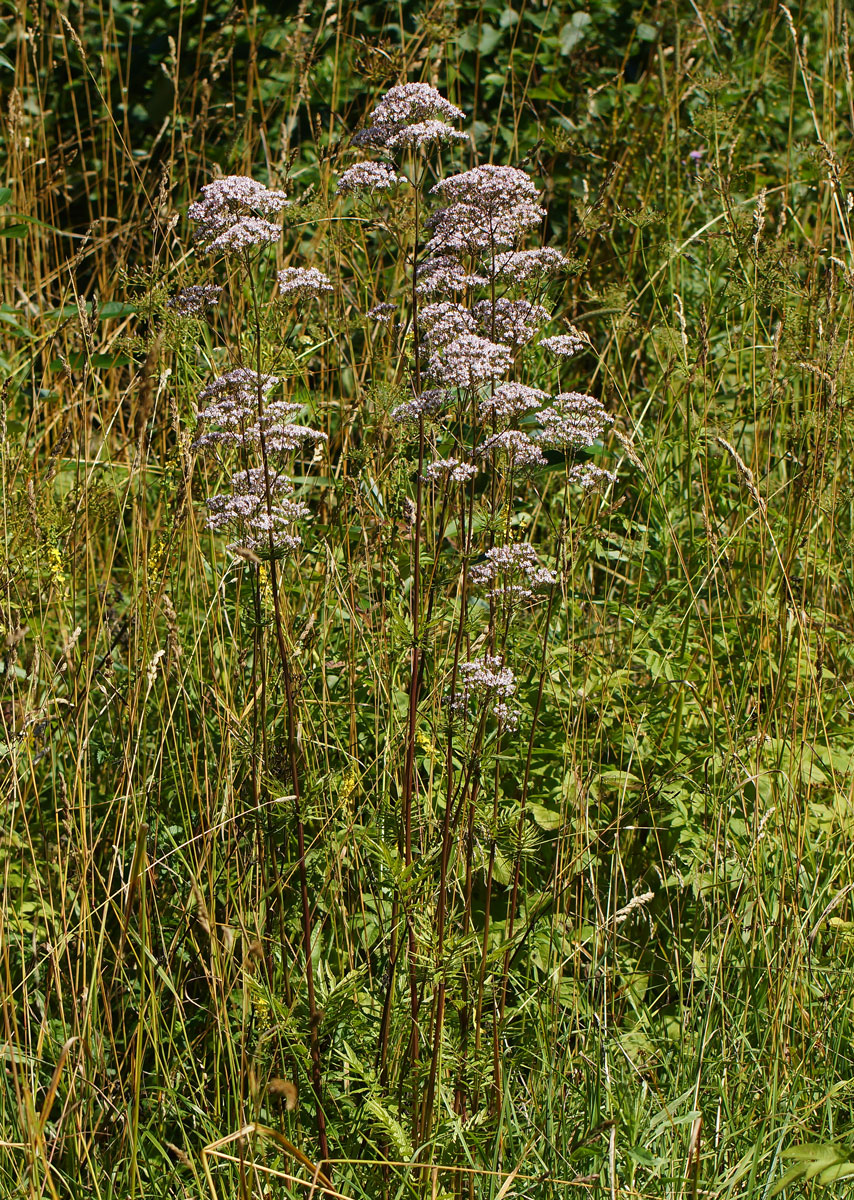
426	623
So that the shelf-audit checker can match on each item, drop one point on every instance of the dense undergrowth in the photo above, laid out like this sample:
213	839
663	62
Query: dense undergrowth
619	959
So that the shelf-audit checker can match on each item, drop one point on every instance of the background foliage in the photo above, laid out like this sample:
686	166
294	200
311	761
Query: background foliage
695	729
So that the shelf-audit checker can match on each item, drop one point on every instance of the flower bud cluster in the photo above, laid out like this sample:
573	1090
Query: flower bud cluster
194	301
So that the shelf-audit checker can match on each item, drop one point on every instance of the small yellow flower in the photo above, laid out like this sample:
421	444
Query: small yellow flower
426	743
54	565
155	562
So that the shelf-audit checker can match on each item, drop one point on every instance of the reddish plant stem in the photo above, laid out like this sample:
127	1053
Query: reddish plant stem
287	675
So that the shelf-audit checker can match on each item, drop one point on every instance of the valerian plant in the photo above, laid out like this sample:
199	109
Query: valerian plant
485	416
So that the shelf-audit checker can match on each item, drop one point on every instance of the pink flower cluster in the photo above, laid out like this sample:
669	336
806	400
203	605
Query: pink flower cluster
511	572
368	177
488	206
487	679
233	214
411	115
303	283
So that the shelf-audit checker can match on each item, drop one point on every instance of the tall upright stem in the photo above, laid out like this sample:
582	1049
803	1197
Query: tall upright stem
415	677
293	758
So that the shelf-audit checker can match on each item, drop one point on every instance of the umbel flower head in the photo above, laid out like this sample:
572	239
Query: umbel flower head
573	422
233	213
511	400
566	345
443	322
383	313
231	402
518	266
302	283
368	177
449	468
512	321
591	478
486	678
238	409
411	115
516	447
488	206
429	402
468	360
194	301
511	572
258	509
445	273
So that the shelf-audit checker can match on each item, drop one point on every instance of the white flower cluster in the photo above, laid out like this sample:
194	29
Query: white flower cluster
512	572
573	422
236	400
233	403
510	400
428	403
519	449
232	214
515	322
565	345
443	322
195	300
302	283
487	678
444	273
519	266
411	115
382	313
368	177
449	468
591	478
488	206
468	360
253	516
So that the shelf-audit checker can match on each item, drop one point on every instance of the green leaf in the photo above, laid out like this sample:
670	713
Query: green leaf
114	308
573	32
5	195
489	39
13	231
647	33
546	818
